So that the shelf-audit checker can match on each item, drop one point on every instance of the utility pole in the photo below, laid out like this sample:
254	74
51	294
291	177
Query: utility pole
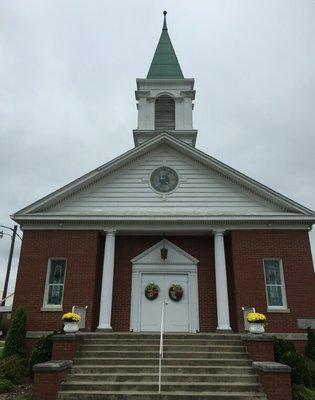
6	282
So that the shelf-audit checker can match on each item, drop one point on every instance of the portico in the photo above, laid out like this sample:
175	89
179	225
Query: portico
157	267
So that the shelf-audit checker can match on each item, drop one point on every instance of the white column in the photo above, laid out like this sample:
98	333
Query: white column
107	282
221	282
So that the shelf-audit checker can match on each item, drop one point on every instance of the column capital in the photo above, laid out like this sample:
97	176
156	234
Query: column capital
110	232
218	232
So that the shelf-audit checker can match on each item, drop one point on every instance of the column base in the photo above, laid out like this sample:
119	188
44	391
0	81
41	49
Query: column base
104	328
224	329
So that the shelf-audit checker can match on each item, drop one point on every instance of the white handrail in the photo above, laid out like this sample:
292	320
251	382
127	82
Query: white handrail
161	347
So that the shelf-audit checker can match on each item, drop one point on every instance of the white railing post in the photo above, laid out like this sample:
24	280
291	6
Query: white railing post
161	346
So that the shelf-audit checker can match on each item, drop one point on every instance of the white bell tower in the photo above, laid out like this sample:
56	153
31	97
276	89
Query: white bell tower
165	97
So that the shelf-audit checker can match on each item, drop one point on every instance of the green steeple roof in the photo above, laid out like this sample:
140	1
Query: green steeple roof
165	64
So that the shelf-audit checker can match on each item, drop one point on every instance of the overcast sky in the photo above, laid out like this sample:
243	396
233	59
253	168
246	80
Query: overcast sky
67	81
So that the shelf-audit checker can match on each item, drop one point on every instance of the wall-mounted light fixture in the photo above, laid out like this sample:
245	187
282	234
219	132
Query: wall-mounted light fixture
164	253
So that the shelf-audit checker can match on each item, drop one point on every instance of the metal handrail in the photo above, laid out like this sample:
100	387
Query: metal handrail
161	347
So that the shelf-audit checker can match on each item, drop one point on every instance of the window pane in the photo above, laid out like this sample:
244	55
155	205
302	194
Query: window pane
274	296
272	270
57	271
55	294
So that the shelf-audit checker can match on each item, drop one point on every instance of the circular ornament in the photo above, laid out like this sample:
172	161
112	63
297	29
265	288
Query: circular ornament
164	179
176	292
151	291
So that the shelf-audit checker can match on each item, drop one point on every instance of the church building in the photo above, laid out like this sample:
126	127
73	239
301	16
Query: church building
166	224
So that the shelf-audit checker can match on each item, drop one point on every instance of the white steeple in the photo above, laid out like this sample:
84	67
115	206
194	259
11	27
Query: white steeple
165	97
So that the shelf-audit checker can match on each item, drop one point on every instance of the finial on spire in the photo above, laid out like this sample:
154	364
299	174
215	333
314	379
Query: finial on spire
164	23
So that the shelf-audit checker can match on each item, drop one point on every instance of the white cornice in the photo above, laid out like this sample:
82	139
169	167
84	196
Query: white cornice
154	83
162	227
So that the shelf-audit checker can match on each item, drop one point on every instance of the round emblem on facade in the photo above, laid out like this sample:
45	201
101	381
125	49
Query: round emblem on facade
151	291
164	179
176	292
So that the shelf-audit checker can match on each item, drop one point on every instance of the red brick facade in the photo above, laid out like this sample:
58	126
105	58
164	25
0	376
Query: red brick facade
244	252
248	249
83	251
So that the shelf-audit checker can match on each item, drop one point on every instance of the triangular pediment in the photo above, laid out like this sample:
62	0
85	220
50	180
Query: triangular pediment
121	188
175	255
200	189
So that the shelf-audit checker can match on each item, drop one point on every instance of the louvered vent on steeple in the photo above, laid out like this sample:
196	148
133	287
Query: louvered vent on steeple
165	113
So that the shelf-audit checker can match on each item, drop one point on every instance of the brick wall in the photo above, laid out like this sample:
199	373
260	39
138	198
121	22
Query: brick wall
244	253
248	248
83	251
276	386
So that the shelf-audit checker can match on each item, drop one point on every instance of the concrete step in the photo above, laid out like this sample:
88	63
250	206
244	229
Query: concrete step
166	377
166	369
156	335
167	354
166	347
180	395
149	341
166	361
124	366
168	386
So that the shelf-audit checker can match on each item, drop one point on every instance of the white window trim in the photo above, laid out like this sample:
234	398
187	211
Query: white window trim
283	291
53	307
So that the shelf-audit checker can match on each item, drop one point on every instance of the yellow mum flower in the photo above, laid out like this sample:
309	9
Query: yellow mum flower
71	317
256	318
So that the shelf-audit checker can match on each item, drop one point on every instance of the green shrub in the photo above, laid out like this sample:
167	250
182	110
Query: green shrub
310	345
311	366
5	386
14	343
41	353
300	392
12	368
300	372
281	347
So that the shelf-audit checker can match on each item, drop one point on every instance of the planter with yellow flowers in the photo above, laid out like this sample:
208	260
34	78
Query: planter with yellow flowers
71	322
257	322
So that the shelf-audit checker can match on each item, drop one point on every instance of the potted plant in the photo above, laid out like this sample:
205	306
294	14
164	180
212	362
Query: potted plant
257	322
71	322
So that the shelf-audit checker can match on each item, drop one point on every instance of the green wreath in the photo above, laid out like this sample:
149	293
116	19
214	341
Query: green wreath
176	292
151	291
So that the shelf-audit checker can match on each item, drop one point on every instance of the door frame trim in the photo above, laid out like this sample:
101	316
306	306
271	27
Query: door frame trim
189	268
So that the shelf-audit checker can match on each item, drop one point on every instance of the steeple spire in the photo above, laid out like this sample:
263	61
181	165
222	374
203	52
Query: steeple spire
164	23
165	64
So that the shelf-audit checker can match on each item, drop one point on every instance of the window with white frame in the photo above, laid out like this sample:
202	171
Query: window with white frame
274	280
55	282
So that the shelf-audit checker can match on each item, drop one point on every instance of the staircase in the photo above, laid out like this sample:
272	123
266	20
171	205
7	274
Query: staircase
116	366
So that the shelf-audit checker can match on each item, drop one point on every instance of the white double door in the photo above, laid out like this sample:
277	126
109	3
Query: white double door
176	313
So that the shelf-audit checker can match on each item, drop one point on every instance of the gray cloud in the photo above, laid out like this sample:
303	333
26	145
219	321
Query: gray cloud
68	70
